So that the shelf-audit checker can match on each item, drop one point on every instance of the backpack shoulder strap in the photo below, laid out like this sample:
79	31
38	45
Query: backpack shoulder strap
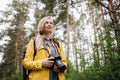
56	42
34	39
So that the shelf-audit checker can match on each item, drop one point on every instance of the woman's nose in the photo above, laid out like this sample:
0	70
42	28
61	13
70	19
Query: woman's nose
49	24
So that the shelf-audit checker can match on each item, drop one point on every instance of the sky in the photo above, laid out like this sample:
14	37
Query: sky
3	4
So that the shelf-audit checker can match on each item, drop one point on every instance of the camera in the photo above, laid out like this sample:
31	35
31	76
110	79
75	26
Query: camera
57	61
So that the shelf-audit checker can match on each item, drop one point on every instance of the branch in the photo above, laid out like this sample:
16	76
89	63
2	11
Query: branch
2	34
117	7
102	4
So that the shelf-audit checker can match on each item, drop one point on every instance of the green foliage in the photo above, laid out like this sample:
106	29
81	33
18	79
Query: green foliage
96	73
50	4
16	76
72	74
8	58
14	44
105	62
62	16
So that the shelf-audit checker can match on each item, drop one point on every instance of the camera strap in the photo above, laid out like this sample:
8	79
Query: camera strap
49	42
53	74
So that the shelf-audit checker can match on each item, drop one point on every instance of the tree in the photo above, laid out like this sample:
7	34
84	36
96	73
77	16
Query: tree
113	11
13	49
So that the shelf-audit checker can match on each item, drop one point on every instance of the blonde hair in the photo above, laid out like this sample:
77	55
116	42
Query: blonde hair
40	27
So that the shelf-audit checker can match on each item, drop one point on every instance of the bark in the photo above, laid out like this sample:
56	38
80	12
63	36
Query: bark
96	53
115	23
68	28
114	19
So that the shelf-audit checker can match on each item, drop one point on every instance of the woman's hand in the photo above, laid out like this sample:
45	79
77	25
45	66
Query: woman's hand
48	62
55	68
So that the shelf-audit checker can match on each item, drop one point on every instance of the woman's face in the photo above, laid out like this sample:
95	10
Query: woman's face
48	26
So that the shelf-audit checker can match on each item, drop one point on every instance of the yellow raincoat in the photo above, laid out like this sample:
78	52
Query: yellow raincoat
38	72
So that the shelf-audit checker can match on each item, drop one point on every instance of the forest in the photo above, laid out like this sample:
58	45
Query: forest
89	31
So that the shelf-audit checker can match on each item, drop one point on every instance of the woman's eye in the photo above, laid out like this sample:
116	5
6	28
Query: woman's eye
46	22
51	23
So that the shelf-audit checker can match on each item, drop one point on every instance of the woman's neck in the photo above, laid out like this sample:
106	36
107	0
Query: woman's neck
47	36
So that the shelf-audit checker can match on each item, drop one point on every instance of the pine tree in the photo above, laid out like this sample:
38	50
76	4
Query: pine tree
13	49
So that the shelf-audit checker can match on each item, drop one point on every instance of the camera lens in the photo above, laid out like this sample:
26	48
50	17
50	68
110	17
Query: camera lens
59	64
57	61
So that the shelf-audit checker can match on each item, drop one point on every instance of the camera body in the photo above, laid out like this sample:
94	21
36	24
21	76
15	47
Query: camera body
57	61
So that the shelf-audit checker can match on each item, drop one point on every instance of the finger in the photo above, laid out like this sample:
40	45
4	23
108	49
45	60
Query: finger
55	68
51	58
49	65
51	62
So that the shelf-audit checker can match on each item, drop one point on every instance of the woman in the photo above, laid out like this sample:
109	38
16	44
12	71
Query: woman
43	66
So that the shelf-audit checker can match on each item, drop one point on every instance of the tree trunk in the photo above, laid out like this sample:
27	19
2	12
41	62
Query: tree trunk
115	23
68	28
96	53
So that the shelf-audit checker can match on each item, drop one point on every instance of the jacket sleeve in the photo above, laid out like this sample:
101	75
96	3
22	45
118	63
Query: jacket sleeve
28	62
62	54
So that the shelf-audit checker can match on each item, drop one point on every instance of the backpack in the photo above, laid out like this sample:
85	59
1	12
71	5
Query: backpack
26	72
